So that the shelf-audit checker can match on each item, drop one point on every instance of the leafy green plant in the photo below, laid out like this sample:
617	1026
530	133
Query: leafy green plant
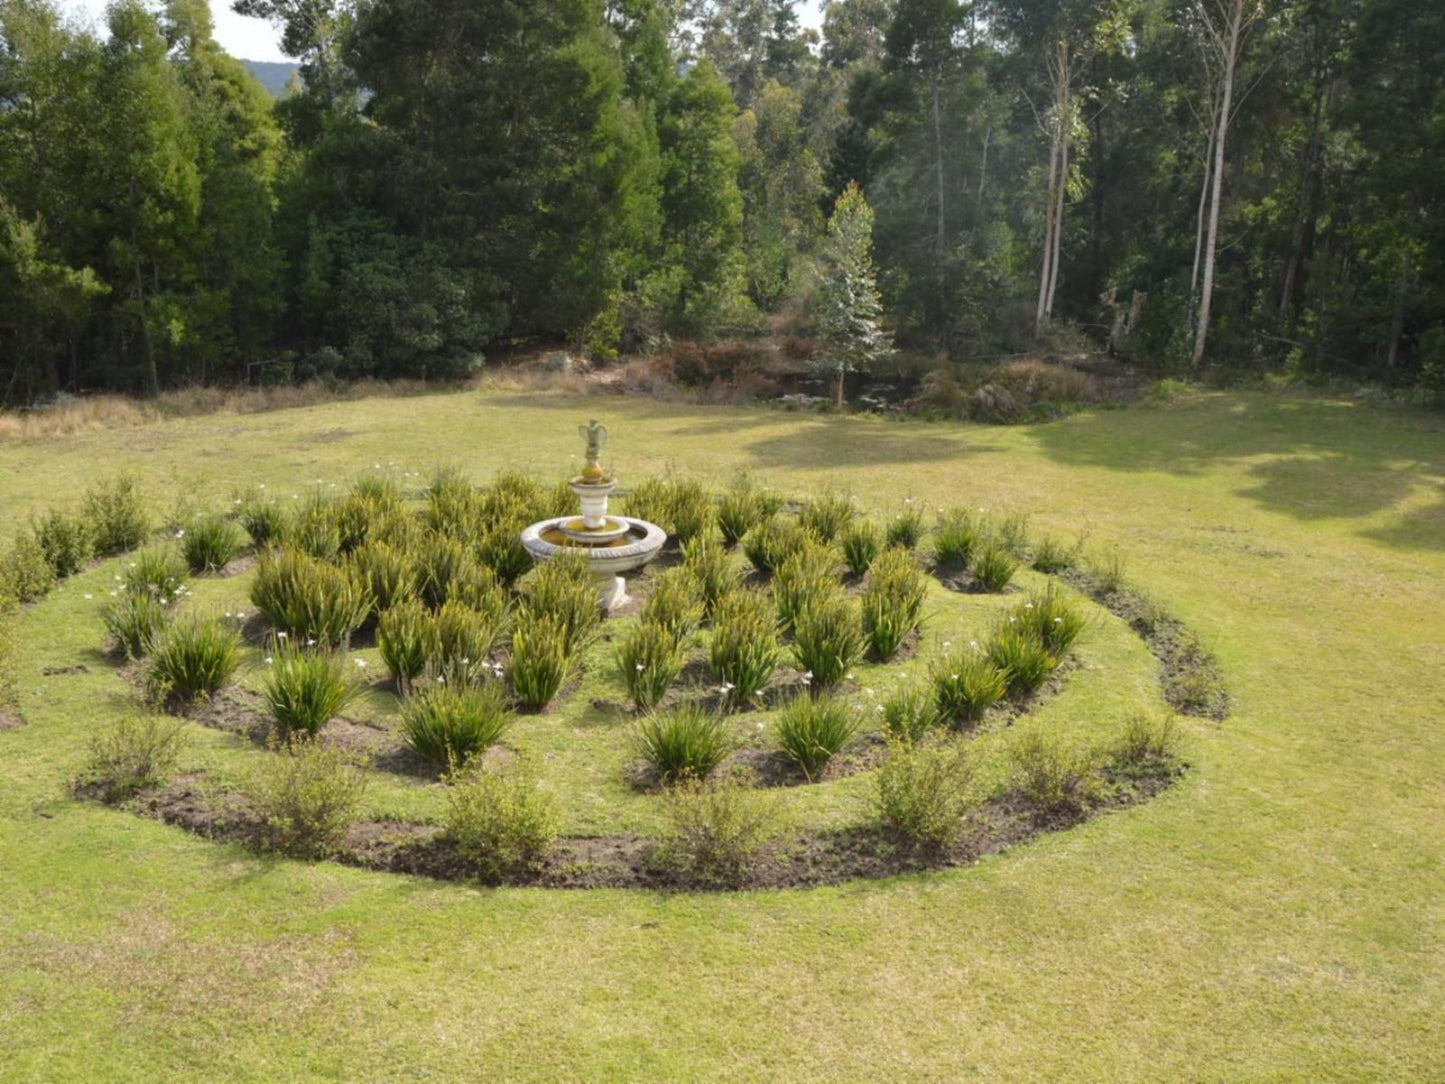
361	517
1051	555
501	550
648	499
745	648
564	589
1055	777
438	562
715	831
906	527
708	561
540	660
674	603
135	752
453	504
993	567
117	517
313	529
649	658
1024	661
478	588
1107	570
159	571
925	790
1148	745
406	636
196	657
266	521
739	510
136	622
809	577
451	723
308	795
387	571
772	542
687	742
1051	619
305	689
892	601
464	641
910	713
826	516
65	540
311	599
860	542
828	641
210	542
965	685
957	536
499	817
1012	532
25	574
690	510
812	730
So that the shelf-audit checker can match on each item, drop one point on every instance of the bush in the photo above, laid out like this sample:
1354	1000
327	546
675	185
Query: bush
715	831
501	550
305	690
539	660
116	516
993	568
137	752
266	521
1024	661
361	517
826	516
1050	619
828	641
892	601
308	795
674	603
313	529
906	528
564	590
478	588
1012	532
957	536
772	542
451	723
1148	746
500	819
860	542
1053	776
924	793
965	686
649	659
1107	571
25	574
463	644
739	510
65	540
910	713
685	743
811	731
809	577
745	649
310	599
648	500
708	562
159	572
690	510
210	543
137	622
1051	555
439	561
406	635
387	572
453	504
196	657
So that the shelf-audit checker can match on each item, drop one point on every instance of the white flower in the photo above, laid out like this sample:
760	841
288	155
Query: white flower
310	643
117	575
261	486
868	691
269	660
236	501
1058	621
948	643
1028	605
441	681
954	677
850	677
973	643
465	662
809	675
640	668
181	533
360	664
878	708
907	500
228	613
281	636
114	593
89	596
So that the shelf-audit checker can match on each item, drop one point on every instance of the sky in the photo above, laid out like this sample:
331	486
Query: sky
256	39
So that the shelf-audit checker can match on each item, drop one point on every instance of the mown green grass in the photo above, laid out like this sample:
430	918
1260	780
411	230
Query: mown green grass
1277	915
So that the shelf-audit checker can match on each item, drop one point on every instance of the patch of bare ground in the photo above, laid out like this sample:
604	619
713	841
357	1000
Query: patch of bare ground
10	719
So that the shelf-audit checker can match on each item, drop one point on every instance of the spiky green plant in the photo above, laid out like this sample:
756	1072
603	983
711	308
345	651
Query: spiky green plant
772	542
1024	661
906	527
957	536
993	567
563	588
826	516
828	641
450	723
860	542
687	742
305	689
712	567
745	648
674	602
648	660
158	571
539	659
310	599
808	577
66	540
1051	619
464	642
196	656
116	514
136	622
910	713
813	730
739	510
892	601
965	685
210	542
406	635
387	571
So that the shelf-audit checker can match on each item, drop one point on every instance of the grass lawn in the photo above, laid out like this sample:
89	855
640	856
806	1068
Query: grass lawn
1280	914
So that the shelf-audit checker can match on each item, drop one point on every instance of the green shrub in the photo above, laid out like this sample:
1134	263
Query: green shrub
453	505
811	731
906	528
210	542
556	500
892	601
1051	619
464	640
957	536
687	742
1052	775
306	689
690	510
438	561
648	500
500	819
65	540
1107	571
1148	745
1024	661
715	831
313	529
311	599
361	517
379	489
451	723
137	622
807	578
564	589
860	541
1051	555
739	510
540	660
674	603
993	568
25	574
386	571
826	516
965	685
478	588
745	649
649	658
406	636
1012	532
136	752
772	542
828	641
925	792
266	521
159	572
117	517
707	560
910	713
308	795
501	550
196	657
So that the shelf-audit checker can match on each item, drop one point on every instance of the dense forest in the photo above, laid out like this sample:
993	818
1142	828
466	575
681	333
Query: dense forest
1240	184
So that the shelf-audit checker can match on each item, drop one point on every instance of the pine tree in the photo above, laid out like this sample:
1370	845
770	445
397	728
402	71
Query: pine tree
851	316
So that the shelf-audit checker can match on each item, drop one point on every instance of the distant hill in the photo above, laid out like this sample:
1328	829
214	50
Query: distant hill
272	75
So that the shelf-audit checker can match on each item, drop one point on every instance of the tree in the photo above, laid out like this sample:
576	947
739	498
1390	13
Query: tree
850	314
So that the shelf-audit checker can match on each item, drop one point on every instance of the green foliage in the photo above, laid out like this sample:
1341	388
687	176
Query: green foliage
159	571
860	542
812	730
850	310
65	540
305	689
1055	777
1149	745
499	817
648	659
463	643
745	648
564	590
957	536
308	795
310	599
826	516
965	685
387	572
540	659
266	521
137	751
1107	571
117	516
438	561
925	792
809	576
910	713
196	657
687	742
716	830
772	542
136	621
406	636
210	542
993	567
892	601
451	723
740	509
25	574
1051	555
1051	619
828	641
1012	532
680	506
711	567
1023	660
501	550
674	603
313	530
906	528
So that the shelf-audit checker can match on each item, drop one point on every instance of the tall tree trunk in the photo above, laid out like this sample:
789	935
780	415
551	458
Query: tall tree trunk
1058	226
1305	212
838	390
152	377
1048	239
983	163
1397	318
940	242
1206	291
1200	218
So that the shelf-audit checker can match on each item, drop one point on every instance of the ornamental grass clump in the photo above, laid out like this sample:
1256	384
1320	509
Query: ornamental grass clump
808	578
539	660
159	571
1149	745
906	528
812	730
648	500
137	751
690	510
674	603
66	540
452	723
892	601
463	642
772	542
828	641
715	831
501	550
564	589
711	567
387	571
964	686
687	742
826	516
136	622
957	536
993	567
267	522
910	713
500	818
1056	777
438	561
648	660
210	542
925	791
305	689
361	517
310	599
308	795
1051	619
1012	532
313	528
1051	555
740	509
861	541
197	656
452	503
406	636
1025	662
745	648
116	515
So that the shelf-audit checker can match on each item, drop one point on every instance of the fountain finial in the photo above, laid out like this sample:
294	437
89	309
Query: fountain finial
594	433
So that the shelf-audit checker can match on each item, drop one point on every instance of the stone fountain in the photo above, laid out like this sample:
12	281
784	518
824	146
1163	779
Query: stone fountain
613	544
